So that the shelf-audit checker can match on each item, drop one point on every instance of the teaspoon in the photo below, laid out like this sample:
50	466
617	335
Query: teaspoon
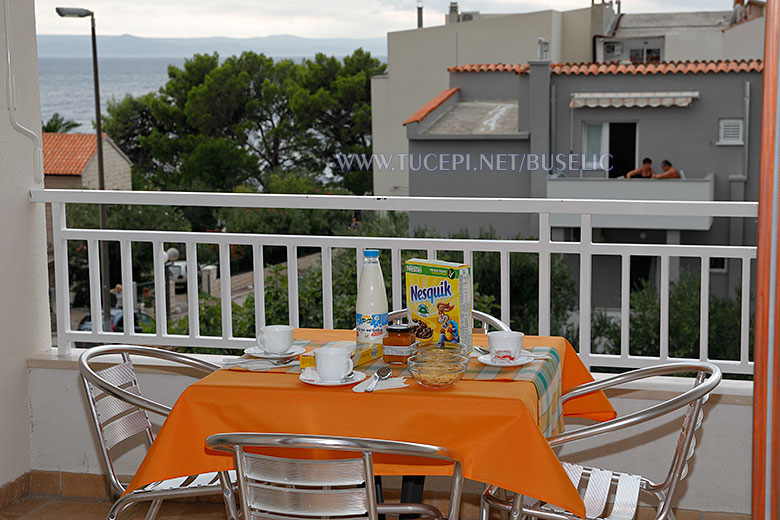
379	375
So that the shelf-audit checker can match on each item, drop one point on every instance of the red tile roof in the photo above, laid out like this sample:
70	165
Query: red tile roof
517	68
668	67
594	69
67	154
431	105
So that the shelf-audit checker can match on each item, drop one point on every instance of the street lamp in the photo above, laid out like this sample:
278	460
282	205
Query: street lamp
169	256
77	12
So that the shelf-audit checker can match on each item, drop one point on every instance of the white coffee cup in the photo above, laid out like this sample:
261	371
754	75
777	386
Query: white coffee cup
505	345
275	339
333	363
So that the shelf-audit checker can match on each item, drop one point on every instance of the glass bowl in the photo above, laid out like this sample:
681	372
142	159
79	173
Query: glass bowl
437	368
422	347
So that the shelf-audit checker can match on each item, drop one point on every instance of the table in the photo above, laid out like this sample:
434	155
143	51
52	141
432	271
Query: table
491	423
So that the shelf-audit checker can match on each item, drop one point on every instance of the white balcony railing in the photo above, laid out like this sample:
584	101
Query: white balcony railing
544	247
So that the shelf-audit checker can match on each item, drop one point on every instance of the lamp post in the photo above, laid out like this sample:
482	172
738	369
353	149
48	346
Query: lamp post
77	12
169	256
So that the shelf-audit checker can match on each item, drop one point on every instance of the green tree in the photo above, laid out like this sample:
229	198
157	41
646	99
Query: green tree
337	102
129	121
58	124
248	118
85	216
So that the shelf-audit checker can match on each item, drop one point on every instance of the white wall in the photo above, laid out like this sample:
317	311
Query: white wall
24	315
63	440
744	40
116	170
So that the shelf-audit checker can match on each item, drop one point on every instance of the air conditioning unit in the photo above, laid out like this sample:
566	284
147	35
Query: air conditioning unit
613	49
468	16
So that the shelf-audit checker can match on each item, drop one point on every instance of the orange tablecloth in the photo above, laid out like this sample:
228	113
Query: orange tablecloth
491	423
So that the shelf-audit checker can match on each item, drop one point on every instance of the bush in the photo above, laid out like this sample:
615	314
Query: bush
684	312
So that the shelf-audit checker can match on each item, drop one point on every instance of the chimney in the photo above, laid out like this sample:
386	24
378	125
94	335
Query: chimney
738	14
419	13
542	49
452	17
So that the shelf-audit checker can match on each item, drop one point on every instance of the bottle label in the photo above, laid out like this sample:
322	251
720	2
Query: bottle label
370	327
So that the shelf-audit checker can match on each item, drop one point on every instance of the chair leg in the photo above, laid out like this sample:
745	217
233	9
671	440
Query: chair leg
517	506
484	509
228	497
153	509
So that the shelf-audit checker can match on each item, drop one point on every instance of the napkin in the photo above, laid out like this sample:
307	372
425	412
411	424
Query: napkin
386	384
255	365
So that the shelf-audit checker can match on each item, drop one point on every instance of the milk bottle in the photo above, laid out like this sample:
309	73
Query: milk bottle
371	304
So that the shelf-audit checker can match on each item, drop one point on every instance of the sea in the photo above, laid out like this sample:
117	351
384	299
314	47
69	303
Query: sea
67	86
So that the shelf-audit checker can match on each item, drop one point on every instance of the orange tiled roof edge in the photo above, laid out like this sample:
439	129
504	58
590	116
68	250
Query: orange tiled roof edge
664	67
517	68
431	105
594	69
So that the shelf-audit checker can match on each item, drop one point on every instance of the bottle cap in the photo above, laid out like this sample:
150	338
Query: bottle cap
371	253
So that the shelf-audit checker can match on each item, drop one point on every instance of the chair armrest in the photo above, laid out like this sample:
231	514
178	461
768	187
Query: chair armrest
702	388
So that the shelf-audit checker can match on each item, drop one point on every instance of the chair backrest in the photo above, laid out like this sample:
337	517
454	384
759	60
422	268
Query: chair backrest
272	485
708	376
117	407
486	319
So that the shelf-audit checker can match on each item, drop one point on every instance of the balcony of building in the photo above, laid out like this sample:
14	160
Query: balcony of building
49	463
54	397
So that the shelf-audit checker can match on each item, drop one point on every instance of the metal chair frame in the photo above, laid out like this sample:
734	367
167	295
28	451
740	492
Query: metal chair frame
708	377
274	487
119	412
486	319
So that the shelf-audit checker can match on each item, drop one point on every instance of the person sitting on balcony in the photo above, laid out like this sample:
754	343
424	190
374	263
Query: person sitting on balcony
645	172
670	172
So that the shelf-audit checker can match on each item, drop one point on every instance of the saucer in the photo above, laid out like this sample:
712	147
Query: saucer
524	359
312	378
257	352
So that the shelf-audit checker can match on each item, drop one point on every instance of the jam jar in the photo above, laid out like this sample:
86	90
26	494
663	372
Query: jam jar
397	345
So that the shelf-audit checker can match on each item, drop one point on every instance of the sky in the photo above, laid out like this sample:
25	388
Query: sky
306	18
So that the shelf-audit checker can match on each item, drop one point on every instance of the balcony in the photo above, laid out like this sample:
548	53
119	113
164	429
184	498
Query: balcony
49	451
693	190
54	396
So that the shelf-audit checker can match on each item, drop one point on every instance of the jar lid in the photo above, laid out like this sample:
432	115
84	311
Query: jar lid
399	328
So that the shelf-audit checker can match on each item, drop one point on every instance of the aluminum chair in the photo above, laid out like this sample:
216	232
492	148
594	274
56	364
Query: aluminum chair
119	413
274	487
486	319
599	485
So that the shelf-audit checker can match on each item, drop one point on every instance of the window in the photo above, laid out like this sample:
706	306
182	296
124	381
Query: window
718	265
730	132
593	139
652	55
643	55
616	139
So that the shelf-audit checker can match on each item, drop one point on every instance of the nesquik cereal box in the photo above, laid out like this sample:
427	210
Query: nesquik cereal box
439	300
